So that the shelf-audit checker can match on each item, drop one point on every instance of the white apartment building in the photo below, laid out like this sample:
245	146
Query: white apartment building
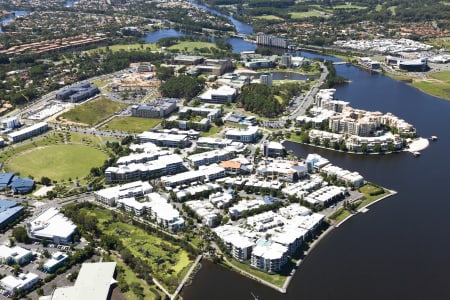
204	173
210	157
136	189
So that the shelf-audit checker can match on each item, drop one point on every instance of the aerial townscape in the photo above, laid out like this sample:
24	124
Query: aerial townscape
216	149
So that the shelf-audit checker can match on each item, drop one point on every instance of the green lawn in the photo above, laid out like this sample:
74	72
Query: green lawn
268	17
348	6
131	277
276	279
367	189
340	215
92	112
213	131
169	263
131	124
191	46
125	47
437	85
307	14
57	162
440	42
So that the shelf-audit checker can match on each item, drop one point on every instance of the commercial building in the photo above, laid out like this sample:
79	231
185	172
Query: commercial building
9	211
53	226
15	183
286	60
55	261
164	165
94	281
188	59
28	132
136	189
164	139
272	41
78	92
10	123
210	113
22	282
248	135
158	108
15	255
221	95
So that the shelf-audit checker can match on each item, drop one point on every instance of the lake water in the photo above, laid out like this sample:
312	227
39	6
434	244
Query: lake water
400	248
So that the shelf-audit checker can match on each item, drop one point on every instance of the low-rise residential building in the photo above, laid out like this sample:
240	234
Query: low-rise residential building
209	173
163	212
326	195
22	282
273	149
53	226
137	158
205	210
169	164
236	210
192	191
353	178
248	135
285	170
27	132
269	256
136	189
210	157
239	246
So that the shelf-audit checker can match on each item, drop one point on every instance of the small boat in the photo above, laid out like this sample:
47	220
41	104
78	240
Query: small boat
416	153
434	138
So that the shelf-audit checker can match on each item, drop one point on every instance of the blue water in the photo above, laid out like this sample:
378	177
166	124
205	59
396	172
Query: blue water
239	45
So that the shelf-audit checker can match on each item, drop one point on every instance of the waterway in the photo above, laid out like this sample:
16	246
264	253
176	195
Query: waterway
238	44
400	248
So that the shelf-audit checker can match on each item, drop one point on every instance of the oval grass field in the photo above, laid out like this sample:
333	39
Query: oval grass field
57	161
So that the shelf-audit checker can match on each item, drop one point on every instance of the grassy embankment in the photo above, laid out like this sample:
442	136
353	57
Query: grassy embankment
371	193
436	84
192	47
92	112
131	124
169	262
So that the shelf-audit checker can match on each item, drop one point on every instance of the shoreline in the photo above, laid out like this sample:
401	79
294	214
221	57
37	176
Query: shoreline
313	244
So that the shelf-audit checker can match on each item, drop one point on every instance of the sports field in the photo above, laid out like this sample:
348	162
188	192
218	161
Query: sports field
57	162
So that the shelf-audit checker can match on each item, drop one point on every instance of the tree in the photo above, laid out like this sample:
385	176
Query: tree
20	235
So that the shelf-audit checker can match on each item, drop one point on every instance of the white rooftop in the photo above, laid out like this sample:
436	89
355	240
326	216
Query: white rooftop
52	223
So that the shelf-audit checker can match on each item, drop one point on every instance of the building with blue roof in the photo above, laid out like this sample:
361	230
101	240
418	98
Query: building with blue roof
22	185
5	180
9	211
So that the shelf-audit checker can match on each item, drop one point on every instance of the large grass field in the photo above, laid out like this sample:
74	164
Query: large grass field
191	46
169	263
307	14
58	162
92	112
437	84
125	47
269	17
131	124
